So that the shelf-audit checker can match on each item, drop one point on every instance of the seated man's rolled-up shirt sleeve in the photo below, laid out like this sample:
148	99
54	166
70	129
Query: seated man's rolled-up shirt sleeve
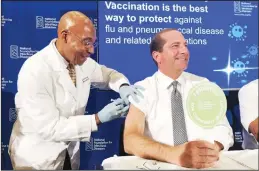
142	103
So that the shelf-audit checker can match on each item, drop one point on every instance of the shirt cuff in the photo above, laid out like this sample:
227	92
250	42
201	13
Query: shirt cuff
226	140
94	125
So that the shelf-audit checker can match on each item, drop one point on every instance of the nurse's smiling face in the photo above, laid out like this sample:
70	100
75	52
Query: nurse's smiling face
77	36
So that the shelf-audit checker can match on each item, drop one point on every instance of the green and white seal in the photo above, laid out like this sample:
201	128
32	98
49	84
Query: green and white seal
206	104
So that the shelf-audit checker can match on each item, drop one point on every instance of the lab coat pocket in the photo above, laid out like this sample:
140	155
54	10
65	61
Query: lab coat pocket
64	90
63	96
66	106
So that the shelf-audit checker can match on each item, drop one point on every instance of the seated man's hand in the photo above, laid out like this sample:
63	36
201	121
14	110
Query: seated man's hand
131	90
113	110
253	128
198	154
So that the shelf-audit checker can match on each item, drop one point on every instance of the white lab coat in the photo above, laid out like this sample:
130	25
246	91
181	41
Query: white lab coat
51	109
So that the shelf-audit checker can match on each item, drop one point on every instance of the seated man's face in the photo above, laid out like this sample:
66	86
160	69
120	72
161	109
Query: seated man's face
175	53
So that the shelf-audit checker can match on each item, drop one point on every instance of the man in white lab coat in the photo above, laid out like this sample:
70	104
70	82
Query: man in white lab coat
53	90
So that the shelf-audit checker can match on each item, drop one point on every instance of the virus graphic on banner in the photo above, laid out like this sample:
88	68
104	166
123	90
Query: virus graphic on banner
252	51
237	32
240	68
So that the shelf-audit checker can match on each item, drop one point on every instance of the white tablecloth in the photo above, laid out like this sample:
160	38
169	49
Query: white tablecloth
237	160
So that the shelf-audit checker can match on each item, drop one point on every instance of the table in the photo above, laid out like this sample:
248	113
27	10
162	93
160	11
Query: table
229	160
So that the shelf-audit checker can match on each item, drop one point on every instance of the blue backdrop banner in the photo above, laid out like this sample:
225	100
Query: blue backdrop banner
222	37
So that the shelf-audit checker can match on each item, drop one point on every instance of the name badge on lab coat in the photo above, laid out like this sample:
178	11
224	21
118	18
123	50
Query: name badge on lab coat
85	79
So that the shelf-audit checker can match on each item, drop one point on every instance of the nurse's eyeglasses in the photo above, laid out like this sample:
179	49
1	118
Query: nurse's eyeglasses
86	42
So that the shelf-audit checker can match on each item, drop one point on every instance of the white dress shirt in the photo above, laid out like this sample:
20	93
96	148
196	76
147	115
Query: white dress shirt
248	102
156	106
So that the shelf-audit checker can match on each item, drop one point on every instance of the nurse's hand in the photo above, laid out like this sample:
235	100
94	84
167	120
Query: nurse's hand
131	90
113	110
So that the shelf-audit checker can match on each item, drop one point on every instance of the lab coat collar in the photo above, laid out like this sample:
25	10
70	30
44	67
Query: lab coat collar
59	62
59	66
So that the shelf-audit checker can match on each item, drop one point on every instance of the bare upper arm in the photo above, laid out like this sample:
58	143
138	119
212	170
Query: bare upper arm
135	121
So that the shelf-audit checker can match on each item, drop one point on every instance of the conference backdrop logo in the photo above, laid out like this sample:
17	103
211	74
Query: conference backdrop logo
5	83
206	104
3	146
95	23
14	52
12	114
243	8
5	20
46	22
17	52
97	144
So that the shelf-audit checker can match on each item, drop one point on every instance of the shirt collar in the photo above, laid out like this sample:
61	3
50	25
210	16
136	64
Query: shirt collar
166	81
64	63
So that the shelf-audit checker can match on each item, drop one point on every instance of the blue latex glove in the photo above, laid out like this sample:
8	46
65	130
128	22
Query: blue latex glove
131	90
113	110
